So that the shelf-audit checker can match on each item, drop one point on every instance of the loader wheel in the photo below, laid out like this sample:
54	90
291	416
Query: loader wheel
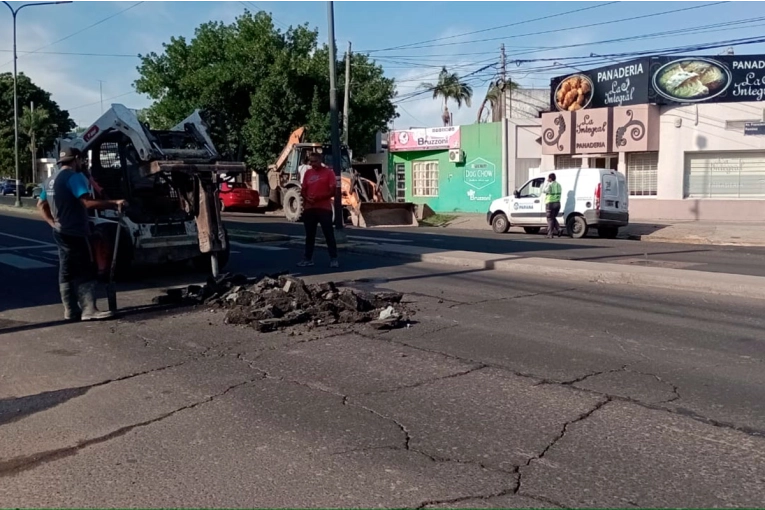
293	205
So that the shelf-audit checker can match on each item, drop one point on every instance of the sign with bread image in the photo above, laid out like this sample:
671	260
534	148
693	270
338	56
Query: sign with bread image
574	93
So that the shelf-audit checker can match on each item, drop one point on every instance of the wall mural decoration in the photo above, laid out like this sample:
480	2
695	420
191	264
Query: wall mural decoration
549	135
636	133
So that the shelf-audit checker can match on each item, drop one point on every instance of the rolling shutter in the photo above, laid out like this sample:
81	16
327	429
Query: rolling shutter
725	175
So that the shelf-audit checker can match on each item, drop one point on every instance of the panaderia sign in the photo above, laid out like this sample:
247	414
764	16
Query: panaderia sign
425	139
664	81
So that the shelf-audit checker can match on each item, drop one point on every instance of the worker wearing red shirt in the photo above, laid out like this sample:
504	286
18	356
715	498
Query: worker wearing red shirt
318	189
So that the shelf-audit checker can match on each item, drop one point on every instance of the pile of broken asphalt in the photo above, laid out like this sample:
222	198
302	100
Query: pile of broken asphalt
272	302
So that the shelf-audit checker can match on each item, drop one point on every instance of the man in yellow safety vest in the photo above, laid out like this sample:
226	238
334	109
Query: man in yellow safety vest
553	192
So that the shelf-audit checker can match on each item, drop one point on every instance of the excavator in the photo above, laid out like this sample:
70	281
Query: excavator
366	203
170	179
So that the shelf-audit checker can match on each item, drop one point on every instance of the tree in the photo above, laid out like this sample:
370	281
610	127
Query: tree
450	86
58	122
256	84
34	123
492	100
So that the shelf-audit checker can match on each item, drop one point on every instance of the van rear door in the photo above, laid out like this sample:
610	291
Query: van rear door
612	197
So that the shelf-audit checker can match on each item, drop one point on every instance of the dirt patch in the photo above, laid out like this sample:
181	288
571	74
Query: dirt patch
273	302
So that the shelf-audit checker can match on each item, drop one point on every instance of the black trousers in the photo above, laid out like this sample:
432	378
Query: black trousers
312	218
553	209
75	258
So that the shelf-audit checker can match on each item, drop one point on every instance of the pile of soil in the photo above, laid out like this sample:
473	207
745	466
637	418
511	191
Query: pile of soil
272	302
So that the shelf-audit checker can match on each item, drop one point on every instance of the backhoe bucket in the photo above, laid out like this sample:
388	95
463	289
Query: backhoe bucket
385	214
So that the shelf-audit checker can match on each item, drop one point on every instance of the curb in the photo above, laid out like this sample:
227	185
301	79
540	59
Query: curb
21	210
752	287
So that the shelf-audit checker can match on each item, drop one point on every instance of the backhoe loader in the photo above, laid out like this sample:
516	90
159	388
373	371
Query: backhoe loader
366	203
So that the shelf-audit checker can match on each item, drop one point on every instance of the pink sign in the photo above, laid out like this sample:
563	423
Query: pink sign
424	139
636	128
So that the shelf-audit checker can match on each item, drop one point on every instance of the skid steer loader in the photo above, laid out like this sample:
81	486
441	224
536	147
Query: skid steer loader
366	203
170	180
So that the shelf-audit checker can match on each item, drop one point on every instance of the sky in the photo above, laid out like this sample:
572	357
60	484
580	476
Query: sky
66	41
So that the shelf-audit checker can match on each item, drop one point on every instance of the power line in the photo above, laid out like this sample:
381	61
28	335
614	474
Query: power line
75	53
557	30
575	11
253	4
99	101
80	31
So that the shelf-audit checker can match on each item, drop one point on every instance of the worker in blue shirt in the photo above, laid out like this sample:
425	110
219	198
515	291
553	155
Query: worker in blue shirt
64	203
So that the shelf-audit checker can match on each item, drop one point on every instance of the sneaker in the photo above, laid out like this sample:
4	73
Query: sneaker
305	263
334	263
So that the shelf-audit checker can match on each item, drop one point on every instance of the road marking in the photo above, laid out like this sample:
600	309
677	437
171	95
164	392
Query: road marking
55	253
14	248
26	239
256	246
19	262
380	239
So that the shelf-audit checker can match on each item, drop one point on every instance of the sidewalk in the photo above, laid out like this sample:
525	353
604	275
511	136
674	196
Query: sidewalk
663	231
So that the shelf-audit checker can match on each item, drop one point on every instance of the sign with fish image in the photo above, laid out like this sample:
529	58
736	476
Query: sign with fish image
720	79
663	80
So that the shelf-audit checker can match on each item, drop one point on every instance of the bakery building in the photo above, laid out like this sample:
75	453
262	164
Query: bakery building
688	132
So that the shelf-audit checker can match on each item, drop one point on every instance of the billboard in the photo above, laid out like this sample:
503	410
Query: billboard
662	80
425	139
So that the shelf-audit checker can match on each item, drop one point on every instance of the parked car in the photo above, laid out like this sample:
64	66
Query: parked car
8	187
592	197
237	195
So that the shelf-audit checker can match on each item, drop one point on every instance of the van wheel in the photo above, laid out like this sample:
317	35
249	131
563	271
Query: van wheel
499	224
577	227
608	232
532	230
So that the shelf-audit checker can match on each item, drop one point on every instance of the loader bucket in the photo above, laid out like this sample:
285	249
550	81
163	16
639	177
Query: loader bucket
385	214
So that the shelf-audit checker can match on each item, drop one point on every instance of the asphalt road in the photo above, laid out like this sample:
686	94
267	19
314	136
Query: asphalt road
720	259
504	392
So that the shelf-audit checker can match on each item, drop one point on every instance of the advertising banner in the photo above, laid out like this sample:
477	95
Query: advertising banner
425	139
616	85
719	79
664	81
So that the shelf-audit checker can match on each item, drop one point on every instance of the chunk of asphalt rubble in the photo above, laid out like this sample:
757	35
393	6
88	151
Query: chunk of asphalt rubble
272	302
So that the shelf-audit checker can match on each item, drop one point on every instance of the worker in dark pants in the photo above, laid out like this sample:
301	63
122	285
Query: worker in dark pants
64	203
318	188
553	192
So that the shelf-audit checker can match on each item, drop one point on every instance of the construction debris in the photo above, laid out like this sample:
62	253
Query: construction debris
272	302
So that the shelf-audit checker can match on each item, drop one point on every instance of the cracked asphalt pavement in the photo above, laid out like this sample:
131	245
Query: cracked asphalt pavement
503	393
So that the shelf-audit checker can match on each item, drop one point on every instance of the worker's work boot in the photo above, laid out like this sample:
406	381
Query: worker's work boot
86	293
69	299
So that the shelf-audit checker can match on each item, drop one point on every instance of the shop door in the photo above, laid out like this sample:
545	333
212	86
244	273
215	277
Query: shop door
609	162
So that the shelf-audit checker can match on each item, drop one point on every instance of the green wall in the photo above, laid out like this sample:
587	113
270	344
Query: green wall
463	187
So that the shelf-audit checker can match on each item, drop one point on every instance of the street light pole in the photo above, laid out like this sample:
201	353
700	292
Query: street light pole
335	128
14	12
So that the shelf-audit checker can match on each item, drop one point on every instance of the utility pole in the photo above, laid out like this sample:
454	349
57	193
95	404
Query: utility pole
14	13
347	98
33	140
503	86
335	131
101	91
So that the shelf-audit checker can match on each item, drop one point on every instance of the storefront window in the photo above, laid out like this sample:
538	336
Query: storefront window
642	173
566	161
725	175
425	177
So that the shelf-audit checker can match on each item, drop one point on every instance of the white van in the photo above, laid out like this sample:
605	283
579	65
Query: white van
592	197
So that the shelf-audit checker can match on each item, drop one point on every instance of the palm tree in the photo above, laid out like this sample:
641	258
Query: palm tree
450	86
492	100
34	122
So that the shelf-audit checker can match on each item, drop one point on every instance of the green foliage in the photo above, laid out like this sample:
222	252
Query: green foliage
257	84
46	130
450	86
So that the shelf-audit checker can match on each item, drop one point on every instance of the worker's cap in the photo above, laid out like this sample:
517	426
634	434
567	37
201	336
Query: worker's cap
69	154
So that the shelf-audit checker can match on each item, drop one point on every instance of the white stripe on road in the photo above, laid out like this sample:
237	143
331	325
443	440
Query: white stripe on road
380	239
256	246
14	248
52	253
19	262
26	239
